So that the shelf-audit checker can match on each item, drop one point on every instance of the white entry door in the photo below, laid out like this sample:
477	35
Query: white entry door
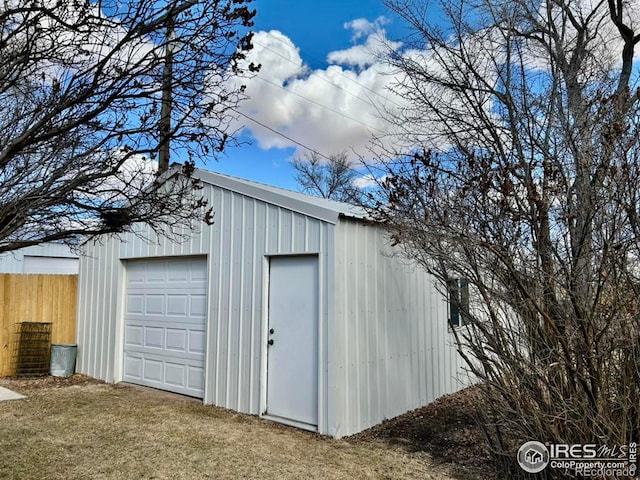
292	358
165	324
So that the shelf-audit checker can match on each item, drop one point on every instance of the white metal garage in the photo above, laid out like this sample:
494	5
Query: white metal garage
290	307
165	314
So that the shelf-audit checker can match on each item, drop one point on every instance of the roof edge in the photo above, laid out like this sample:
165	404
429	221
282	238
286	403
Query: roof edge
326	210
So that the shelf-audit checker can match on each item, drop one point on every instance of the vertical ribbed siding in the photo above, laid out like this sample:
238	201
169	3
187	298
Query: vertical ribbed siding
97	308
245	231
393	350
13	262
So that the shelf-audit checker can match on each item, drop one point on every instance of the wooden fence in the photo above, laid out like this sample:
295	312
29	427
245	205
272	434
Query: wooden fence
36	298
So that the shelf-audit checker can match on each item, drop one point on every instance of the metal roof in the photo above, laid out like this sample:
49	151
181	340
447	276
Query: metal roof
321	208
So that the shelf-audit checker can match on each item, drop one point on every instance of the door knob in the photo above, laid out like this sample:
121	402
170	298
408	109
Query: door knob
270	342
272	331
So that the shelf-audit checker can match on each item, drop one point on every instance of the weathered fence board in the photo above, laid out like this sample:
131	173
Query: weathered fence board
36	298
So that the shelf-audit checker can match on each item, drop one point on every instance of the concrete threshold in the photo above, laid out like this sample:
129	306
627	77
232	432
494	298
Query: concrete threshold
6	394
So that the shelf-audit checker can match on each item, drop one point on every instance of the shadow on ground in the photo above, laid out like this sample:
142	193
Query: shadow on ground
445	429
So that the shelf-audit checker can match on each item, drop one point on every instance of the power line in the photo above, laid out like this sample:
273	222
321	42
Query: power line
324	79
318	104
296	142
307	54
271	129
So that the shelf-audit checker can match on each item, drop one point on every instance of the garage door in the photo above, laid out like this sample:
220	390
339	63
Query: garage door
165	317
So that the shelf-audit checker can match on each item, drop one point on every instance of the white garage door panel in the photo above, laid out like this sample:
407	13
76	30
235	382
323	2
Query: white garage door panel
173	341
164	338
160	372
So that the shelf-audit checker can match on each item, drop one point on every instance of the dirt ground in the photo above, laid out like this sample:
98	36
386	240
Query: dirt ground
82	428
445	429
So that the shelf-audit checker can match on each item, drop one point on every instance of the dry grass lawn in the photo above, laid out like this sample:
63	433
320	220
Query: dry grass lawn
86	429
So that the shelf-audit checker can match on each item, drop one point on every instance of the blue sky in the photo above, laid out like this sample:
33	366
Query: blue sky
324	105
321	86
316	27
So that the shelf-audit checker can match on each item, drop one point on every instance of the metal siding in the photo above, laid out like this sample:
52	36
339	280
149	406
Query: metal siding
245	231
273	235
106	329
96	320
313	207
258	294
82	322
285	242
314	235
325	238
50	265
215	286
13	262
245	265
235	317
393	351
225	278
111	302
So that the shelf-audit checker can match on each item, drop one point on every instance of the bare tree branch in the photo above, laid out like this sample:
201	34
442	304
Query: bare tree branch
524	180
80	93
332	178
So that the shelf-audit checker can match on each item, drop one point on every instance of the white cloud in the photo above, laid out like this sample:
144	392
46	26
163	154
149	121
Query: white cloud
369	53
340	107
368	181
136	172
362	27
348	106
277	53
330	110
71	39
